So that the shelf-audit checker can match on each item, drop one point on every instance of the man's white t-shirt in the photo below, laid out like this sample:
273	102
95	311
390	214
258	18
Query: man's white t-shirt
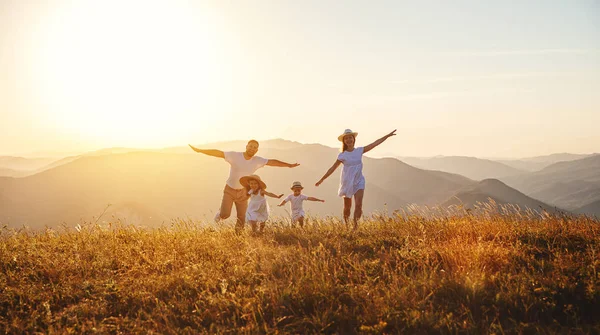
241	167
296	202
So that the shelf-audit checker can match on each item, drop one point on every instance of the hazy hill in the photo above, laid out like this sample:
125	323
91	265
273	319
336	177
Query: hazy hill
590	209
496	190
22	163
539	162
11	166
190	185
470	167
6	172
568	185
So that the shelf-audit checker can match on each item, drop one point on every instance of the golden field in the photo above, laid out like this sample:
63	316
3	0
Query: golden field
400	273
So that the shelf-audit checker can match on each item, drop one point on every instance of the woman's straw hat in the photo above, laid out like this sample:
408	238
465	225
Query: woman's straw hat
296	184
346	132
246	179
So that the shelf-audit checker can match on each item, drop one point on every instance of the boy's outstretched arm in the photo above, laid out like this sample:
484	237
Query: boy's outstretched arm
210	152
282	203
315	199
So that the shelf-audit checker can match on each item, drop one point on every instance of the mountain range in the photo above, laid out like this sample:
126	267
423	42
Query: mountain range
153	187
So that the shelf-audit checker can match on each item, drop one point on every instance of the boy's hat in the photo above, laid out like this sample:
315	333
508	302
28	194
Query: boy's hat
296	184
347	132
246	179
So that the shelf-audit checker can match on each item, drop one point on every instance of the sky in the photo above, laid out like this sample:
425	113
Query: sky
473	78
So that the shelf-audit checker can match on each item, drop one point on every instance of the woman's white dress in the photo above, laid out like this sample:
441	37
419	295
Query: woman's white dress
258	209
352	178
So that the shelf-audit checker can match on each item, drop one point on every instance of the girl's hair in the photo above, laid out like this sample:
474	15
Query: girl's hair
248	188
344	146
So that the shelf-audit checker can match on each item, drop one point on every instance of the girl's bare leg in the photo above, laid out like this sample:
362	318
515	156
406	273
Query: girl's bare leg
358	203
347	208
253	225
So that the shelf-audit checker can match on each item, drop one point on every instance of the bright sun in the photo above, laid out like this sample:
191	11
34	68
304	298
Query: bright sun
133	73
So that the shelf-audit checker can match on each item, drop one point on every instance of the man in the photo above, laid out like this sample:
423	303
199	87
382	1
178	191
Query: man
242	164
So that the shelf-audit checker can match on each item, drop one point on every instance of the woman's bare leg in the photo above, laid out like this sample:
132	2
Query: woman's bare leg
347	208
358	203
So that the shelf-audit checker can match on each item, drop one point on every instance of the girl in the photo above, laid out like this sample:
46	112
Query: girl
352	181
296	200
258	209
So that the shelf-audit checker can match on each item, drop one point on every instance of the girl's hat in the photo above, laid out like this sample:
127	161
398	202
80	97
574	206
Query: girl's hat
346	132
246	179
296	184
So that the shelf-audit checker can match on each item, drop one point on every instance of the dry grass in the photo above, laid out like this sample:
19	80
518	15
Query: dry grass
465	273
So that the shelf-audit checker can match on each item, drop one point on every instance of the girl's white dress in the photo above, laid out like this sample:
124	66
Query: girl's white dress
258	209
352	178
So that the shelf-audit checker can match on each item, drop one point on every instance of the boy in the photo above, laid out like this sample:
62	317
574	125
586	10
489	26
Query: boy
296	200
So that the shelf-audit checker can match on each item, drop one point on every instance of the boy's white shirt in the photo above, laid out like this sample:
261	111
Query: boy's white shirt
296	202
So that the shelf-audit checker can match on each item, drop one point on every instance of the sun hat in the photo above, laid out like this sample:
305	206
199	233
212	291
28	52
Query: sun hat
296	184
347	132
245	181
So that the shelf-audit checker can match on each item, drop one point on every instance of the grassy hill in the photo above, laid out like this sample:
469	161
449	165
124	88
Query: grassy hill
459	274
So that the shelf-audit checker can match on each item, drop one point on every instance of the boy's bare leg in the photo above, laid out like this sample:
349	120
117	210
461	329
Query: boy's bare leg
301	221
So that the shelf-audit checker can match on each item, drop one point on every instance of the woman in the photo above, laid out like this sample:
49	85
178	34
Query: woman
352	181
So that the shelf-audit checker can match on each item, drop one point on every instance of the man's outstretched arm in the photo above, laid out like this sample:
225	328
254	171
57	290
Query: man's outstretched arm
210	152
278	163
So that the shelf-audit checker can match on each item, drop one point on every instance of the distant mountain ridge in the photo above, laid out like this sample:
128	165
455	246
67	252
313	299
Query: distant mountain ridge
540	162
153	186
496	190
470	167
569	185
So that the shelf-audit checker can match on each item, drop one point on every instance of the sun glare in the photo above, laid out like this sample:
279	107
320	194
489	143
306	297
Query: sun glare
134	73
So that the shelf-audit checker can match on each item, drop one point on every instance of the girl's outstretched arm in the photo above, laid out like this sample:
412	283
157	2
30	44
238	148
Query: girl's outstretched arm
379	141
329	172
314	199
272	195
